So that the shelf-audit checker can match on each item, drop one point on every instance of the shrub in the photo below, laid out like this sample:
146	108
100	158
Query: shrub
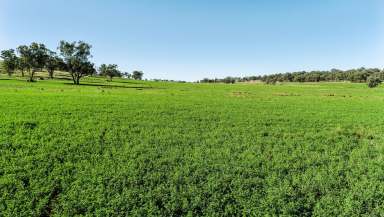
373	81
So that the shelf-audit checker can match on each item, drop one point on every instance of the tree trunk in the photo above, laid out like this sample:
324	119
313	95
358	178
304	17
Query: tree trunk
31	75
50	72
73	77
22	73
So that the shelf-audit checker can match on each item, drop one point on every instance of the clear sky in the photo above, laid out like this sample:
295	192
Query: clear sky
193	39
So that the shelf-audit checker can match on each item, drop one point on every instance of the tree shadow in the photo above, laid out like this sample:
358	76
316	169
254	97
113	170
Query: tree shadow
63	78
127	82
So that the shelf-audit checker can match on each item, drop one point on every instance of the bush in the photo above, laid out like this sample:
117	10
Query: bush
373	81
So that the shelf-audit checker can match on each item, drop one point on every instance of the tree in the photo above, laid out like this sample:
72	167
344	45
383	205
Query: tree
137	75
24	59
126	75
229	80
21	65
53	62
103	69
86	68
109	70
37	56
373	81
9	60
76	58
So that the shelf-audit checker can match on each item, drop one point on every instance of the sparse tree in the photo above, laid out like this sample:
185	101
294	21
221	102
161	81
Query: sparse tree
110	71
9	60
21	65
76	58
103	69
137	75
53	63
126	75
24	58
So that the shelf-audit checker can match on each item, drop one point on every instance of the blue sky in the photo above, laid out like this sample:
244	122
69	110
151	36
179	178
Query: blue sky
193	39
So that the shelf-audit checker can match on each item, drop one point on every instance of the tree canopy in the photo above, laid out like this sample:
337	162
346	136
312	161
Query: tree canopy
137	75
110	71
9	60
76	57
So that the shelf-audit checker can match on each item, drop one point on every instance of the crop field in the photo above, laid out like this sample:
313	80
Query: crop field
141	148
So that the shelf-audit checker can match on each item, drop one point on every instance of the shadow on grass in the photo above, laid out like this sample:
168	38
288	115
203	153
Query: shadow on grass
127	82
110	86
63	78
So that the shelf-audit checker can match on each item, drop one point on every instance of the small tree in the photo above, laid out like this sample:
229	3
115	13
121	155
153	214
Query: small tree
53	62
373	81
76	58
229	80
24	59
126	75
137	75
9	61
103	69
86	68
109	71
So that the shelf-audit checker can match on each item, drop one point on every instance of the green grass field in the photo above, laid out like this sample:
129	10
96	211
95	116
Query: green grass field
136	148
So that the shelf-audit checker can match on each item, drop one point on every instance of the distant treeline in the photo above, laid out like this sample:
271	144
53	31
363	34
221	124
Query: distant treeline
360	75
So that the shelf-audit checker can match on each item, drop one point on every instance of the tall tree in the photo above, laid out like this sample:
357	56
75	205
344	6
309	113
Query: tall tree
76	58
9	60
38	55
24	58
137	75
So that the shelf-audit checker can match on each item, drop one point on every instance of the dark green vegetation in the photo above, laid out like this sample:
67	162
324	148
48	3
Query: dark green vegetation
360	75
135	148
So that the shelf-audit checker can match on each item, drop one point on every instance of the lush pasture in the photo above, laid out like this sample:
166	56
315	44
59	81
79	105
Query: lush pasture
148	149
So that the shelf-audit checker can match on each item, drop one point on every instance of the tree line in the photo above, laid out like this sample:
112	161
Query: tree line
372	76
72	57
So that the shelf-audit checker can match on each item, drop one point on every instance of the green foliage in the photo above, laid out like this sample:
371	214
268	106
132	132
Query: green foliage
76	57
110	71
33	58
53	62
24	59
137	75
359	75
135	148
2	70
9	60
373	81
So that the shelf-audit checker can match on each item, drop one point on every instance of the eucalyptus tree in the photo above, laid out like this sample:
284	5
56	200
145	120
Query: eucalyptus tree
76	57
126	75
110	71
24	59
53	63
38	55
137	75
9	60
22	65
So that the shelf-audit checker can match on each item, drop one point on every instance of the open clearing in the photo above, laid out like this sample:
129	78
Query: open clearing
140	148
